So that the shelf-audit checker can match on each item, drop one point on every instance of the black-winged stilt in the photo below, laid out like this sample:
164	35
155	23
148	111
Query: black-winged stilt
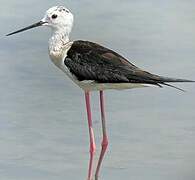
93	68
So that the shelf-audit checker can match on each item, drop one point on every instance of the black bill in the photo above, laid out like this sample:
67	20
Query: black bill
40	23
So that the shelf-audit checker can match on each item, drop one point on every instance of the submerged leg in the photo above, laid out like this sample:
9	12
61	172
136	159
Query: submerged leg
91	135
105	138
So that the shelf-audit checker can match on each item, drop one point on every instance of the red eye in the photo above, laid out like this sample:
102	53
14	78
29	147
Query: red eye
54	16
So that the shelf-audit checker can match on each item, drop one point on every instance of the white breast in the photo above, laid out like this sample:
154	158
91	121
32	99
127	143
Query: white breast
58	57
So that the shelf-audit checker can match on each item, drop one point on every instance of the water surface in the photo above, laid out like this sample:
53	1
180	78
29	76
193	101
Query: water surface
43	127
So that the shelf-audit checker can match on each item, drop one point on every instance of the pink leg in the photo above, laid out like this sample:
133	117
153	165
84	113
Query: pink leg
105	138
91	135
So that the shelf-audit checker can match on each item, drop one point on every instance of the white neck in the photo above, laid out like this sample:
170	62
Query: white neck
59	38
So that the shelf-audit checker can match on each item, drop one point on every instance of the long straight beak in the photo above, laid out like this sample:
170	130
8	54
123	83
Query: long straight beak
40	23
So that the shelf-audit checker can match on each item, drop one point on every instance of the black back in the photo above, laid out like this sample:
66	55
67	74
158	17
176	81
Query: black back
90	61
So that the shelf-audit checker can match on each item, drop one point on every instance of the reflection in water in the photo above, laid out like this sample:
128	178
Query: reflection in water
43	128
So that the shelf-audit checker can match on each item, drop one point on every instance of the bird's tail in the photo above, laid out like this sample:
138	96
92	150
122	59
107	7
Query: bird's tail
166	80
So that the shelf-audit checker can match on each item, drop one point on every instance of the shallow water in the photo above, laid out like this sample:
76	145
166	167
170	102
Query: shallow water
43	127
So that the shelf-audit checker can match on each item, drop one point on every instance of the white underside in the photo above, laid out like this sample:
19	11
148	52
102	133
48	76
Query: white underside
93	86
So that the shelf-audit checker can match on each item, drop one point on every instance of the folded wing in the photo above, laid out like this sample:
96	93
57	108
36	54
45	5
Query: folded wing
90	61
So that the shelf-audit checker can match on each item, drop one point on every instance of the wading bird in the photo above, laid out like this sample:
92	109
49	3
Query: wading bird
93	68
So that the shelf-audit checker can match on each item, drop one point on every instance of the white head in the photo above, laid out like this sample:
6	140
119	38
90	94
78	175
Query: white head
59	18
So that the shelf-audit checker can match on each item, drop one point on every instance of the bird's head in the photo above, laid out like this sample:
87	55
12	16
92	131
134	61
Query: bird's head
59	18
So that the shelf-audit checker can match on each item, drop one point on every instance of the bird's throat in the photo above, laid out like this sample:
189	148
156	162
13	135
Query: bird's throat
57	41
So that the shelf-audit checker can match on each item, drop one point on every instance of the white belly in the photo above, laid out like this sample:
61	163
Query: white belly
93	86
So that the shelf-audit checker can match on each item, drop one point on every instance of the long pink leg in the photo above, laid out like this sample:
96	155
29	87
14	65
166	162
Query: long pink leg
105	138
91	135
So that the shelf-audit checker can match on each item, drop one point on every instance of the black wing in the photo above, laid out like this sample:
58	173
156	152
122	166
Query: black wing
90	61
